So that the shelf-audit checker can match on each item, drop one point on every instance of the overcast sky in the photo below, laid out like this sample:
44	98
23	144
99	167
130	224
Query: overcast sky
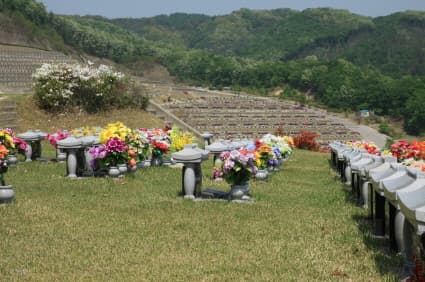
149	8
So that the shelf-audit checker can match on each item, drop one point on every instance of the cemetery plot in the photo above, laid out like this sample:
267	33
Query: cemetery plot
236	116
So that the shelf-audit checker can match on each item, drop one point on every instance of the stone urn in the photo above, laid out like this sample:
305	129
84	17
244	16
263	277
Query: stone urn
239	191
140	164
7	194
147	163
123	168
114	172
262	174
133	169
156	161
12	160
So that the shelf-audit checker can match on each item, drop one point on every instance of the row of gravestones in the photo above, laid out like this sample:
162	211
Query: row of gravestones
74	150
219	121
378	181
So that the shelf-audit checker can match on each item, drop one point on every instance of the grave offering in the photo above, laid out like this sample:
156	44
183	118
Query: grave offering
7	192
237	168
191	157
33	139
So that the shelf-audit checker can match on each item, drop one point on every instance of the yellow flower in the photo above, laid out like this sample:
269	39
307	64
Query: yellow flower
116	129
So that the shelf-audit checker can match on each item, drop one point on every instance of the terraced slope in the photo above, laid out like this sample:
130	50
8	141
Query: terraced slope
8	115
230	116
18	63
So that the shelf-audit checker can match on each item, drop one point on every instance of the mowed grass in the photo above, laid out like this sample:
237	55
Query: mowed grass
302	227
31	117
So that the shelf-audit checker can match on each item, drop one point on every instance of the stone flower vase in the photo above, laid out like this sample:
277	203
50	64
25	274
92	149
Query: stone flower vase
261	174
156	161
12	160
114	172
239	191
7	194
123	168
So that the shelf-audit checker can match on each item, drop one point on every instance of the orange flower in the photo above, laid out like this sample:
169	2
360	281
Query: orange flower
132	163
3	151
131	153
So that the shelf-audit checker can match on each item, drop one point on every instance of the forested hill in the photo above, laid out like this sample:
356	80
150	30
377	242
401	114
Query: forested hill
344	61
394	44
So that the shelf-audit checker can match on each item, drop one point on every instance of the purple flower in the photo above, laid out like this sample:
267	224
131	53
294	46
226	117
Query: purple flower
98	152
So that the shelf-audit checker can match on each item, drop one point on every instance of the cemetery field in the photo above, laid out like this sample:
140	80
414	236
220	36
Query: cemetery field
303	226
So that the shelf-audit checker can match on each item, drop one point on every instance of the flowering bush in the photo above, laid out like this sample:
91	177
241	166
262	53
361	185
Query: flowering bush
306	140
58	86
237	166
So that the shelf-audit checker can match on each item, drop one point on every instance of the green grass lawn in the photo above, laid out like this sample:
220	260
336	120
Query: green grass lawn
302	227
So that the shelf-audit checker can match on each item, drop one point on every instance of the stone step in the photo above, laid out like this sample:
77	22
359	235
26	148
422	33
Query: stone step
7	114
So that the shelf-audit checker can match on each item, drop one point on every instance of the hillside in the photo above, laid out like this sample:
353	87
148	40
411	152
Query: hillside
321	56
25	23
394	44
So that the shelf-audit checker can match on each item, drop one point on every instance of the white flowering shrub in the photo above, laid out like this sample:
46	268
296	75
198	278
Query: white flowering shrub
59	86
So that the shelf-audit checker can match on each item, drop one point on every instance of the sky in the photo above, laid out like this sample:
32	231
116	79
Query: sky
149	8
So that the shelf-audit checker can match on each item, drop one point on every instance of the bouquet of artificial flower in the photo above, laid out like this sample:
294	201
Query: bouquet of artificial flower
3	162
57	136
237	166
159	148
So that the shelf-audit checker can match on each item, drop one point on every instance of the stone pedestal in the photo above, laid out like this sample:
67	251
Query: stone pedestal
33	139
191	157
207	138
77	156
216	149
71	145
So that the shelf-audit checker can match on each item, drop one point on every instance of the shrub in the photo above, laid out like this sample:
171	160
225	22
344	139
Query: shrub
385	128
306	140
59	86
